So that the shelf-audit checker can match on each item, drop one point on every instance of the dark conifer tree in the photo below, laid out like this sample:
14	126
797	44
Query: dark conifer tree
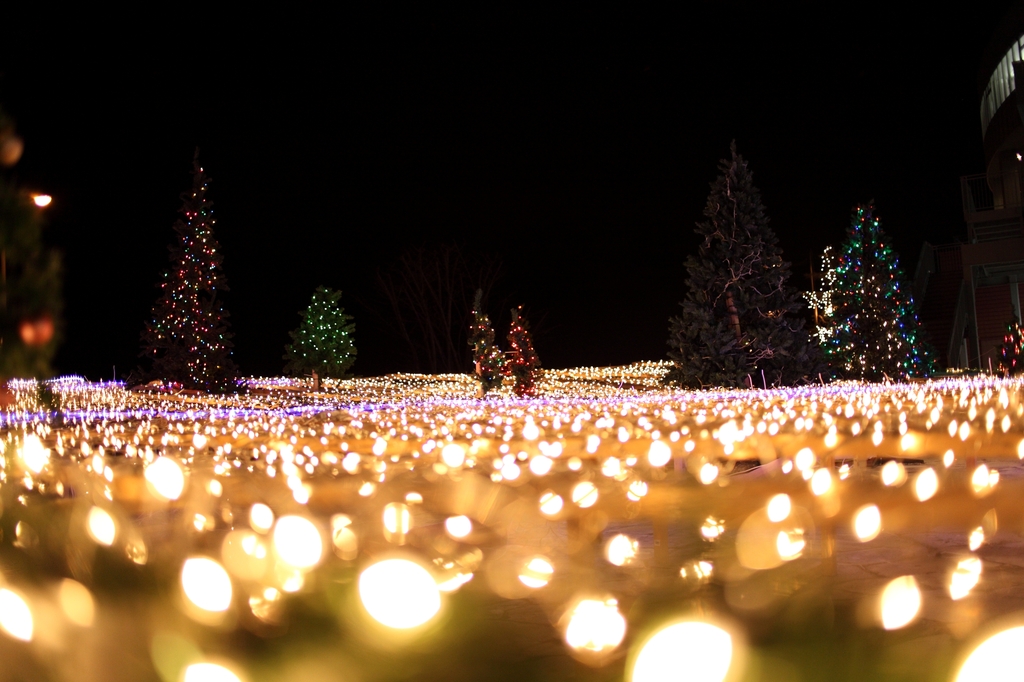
871	330
30	277
487	357
1011	360
323	343
188	337
523	364
740	317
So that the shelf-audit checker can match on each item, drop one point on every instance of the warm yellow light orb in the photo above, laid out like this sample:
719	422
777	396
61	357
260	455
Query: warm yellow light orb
297	542
926	484
595	625
206	584
208	672
584	494
261	517
867	523
659	453
706	649
76	602
33	454
621	550
550	503
15	616
458	526
101	527
165	478
399	593
997	659
901	602
42	200
779	508
537	572
453	455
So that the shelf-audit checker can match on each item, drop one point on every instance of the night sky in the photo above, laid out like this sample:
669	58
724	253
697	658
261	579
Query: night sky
578	150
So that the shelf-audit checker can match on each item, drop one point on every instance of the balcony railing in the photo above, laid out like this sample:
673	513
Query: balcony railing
979	197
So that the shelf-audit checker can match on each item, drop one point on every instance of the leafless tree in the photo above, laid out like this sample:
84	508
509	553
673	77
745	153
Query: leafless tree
429	291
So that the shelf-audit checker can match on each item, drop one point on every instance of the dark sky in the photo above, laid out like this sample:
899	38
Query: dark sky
578	149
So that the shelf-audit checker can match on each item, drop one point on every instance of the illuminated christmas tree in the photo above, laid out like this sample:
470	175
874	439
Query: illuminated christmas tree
323	343
30	276
1011	359
188	338
870	328
487	357
523	363
740	324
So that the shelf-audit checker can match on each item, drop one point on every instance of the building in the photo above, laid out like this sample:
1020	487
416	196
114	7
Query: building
968	292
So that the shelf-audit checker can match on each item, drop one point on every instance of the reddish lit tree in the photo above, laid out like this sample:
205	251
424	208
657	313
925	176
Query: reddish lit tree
523	364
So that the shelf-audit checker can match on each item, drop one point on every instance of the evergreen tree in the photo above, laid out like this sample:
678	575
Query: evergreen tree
1011	359
30	276
188	338
323	343
870	330
487	357
523	364
740	322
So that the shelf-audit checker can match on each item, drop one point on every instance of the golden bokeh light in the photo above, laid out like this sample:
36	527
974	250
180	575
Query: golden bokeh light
867	523
34	454
621	550
965	576
261	517
584	494
297	542
399	593
997	659
595	625
101	526
536	572
926	484
165	478
900	602
76	602
458	526
15	615
550	503
206	584
659	453
209	672
894	474
779	507
790	544
693	651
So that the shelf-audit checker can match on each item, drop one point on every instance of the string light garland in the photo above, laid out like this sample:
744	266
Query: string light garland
256	508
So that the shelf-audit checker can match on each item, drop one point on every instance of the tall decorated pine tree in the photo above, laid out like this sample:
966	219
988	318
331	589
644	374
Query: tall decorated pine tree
322	344
870	329
487	357
740	324
523	363
188	337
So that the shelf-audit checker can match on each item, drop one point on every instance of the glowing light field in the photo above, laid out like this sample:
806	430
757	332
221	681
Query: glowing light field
399	528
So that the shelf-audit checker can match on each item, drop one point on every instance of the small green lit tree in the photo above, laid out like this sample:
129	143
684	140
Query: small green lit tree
487	357
322	345
523	365
1011	357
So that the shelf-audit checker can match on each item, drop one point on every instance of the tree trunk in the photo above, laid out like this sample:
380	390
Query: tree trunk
734	317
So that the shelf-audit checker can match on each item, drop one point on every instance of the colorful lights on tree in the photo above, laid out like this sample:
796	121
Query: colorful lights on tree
487	357
523	365
188	338
868	326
